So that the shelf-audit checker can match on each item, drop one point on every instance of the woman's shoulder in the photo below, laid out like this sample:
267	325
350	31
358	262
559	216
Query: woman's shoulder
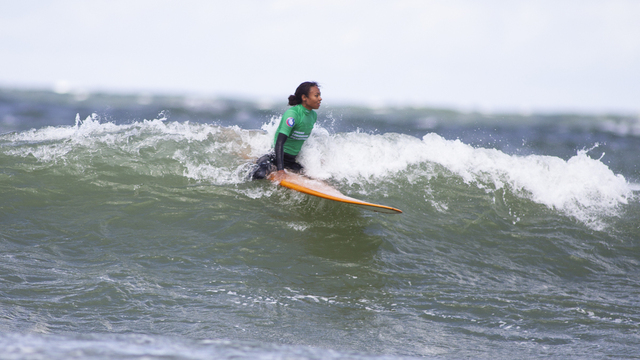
294	110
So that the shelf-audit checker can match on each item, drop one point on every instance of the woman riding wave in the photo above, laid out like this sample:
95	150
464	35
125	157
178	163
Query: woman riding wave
294	128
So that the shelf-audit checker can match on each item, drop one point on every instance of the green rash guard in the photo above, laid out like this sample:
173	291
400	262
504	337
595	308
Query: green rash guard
297	123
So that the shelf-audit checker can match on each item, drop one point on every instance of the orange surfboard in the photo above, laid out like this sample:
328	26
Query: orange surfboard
320	189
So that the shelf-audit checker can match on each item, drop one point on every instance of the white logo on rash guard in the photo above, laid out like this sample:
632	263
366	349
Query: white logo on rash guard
291	121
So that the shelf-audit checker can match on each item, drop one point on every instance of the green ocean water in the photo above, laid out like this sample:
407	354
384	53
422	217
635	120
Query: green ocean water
129	235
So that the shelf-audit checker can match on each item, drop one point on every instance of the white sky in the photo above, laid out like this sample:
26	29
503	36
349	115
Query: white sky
538	55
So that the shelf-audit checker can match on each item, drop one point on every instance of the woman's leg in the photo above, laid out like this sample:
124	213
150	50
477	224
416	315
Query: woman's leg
264	166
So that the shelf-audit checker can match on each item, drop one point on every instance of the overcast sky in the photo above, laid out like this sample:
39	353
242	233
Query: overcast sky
511	55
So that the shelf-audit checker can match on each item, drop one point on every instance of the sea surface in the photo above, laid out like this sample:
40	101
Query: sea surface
129	230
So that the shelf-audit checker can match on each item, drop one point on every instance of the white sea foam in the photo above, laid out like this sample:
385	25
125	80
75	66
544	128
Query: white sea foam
622	127
581	186
92	138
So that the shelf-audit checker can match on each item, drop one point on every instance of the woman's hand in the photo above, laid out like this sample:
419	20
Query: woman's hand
277	175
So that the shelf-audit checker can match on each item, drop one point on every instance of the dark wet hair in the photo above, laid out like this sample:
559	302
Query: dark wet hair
303	89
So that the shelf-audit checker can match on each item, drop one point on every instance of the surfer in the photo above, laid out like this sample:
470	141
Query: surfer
295	127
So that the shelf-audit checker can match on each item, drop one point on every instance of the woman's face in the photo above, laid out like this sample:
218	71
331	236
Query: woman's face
312	102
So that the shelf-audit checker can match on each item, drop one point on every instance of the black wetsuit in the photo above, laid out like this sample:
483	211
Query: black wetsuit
278	160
